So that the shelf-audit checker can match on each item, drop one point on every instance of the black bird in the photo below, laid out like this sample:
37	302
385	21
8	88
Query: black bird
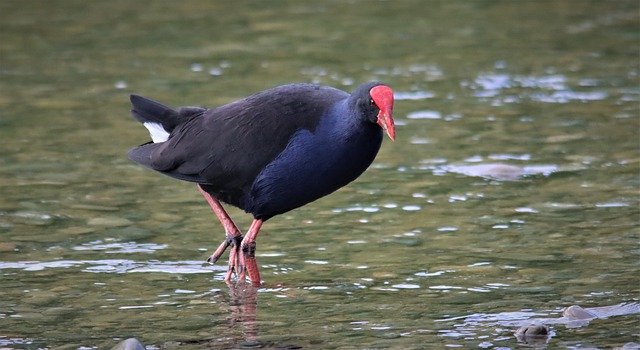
268	153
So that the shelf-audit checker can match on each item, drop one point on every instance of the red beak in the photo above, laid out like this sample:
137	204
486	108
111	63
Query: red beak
383	98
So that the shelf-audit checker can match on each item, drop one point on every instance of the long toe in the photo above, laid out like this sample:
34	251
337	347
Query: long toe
218	252
234	262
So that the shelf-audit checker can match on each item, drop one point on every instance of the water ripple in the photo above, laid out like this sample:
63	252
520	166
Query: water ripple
500	171
115	266
120	247
425	114
552	88
412	95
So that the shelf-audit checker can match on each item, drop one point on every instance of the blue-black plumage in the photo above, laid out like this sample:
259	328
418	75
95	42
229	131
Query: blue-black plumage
271	152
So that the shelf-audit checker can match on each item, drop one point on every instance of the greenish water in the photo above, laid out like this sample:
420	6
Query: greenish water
510	193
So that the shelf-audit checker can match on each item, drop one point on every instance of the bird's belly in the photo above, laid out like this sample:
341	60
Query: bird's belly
301	175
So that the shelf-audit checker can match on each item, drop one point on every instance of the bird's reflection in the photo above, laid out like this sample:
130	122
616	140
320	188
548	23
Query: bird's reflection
243	307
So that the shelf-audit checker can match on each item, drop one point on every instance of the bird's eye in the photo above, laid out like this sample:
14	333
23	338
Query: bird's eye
371	102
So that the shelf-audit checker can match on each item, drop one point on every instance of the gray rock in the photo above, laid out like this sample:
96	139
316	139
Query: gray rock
533	330
536	334
577	313
129	344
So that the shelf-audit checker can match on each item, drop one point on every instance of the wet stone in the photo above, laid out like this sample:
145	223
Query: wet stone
129	344
534	334
534	330
32	218
577	313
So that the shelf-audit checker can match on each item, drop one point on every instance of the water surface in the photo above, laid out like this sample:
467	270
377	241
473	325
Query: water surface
510	193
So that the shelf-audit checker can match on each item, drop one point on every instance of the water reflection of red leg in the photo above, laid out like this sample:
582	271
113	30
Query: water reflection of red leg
244	309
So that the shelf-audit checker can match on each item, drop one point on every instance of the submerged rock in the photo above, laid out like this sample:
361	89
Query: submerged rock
533	330
30	218
534	334
500	171
578	313
129	344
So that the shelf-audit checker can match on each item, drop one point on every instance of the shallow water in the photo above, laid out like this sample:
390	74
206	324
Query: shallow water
510	193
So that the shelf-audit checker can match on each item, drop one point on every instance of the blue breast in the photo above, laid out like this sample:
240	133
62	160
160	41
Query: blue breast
314	164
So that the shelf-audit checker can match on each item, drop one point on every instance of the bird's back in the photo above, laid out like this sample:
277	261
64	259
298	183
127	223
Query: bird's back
225	148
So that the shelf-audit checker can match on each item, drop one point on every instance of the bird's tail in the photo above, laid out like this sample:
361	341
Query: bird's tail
159	119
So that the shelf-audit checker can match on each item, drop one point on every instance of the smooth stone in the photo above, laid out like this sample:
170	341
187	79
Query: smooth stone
577	313
129	344
32	218
535	334
533	330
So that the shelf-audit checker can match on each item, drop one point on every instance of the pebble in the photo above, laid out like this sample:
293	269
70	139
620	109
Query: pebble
129	344
32	218
533	330
536	334
577	313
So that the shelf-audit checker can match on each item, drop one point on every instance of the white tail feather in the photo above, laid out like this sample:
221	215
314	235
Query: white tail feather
158	133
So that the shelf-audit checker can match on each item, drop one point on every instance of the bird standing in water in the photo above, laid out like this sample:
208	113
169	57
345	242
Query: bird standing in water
268	153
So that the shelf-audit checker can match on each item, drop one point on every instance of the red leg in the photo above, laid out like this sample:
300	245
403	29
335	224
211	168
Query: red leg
248	254
233	235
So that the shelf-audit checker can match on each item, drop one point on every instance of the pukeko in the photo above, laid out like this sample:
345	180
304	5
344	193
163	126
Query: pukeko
268	153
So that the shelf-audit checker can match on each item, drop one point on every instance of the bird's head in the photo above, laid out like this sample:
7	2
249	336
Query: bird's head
376	104
382	97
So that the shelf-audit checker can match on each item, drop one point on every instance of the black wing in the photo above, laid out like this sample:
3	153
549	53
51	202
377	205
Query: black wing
228	146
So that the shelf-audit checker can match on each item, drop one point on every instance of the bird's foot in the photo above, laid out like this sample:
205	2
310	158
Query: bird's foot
234	264
233	240
242	258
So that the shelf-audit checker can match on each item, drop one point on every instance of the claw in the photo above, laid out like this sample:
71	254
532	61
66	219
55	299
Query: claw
229	240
